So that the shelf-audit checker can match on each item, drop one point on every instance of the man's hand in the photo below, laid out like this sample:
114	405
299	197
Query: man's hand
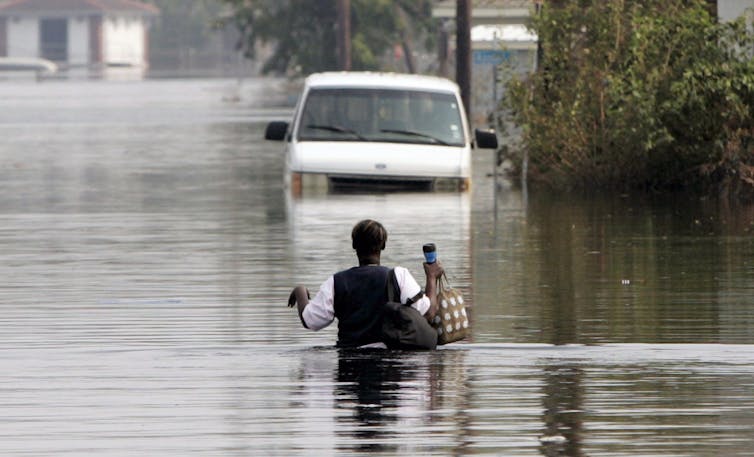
433	270
292	299
298	291
300	298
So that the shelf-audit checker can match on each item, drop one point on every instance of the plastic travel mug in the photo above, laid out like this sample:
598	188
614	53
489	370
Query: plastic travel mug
430	254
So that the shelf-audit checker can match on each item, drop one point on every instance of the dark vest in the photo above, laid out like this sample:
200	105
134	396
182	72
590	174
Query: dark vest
360	296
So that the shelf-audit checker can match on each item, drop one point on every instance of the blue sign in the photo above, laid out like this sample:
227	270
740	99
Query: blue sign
491	57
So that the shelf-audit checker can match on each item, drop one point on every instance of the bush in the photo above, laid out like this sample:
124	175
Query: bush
638	95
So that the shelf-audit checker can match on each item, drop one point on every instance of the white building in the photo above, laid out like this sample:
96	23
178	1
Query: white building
728	10
77	33
498	34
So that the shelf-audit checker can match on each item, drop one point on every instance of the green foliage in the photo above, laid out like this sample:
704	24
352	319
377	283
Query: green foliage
303	32
638	95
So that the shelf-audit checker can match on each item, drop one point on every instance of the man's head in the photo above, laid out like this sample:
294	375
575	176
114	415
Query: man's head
368	237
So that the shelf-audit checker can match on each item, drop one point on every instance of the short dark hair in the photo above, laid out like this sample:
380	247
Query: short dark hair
368	237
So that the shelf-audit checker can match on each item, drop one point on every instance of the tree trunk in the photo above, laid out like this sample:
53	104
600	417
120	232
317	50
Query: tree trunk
463	52
344	34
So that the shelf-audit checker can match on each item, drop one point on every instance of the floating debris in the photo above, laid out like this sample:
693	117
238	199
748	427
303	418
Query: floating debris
554	439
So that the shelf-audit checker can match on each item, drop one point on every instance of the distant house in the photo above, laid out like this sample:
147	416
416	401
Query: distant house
77	33
498	34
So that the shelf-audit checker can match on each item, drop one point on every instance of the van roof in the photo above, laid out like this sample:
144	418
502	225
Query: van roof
381	80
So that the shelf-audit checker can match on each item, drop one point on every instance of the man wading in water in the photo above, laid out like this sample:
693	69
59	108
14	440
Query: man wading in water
356	296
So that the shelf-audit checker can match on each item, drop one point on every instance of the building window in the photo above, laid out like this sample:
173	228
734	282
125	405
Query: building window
53	39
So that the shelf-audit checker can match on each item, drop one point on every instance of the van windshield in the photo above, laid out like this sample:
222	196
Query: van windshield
388	115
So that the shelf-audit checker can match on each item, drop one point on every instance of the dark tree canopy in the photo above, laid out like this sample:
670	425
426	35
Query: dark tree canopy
303	33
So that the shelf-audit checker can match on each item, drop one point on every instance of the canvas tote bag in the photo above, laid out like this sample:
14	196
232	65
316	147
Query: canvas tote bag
451	321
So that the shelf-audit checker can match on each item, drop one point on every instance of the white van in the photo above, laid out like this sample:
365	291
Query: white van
355	128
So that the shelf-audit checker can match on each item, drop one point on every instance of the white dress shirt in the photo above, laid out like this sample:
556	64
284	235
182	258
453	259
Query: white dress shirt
320	312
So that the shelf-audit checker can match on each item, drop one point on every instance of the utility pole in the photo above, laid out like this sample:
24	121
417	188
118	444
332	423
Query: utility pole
344	34
712	6
442	49
540	49
463	52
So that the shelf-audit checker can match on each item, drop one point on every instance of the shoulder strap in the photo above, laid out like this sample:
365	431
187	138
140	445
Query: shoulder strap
442	282
392	287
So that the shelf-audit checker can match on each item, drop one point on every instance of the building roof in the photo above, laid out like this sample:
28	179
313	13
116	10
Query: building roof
507	33
365	79
489	11
22	7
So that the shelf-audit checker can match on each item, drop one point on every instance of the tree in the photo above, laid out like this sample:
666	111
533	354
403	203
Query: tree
636	94
183	24
303	32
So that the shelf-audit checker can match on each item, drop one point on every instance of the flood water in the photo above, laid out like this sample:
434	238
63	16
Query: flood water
148	247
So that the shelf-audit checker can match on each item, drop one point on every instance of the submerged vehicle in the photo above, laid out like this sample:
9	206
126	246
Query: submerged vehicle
356	128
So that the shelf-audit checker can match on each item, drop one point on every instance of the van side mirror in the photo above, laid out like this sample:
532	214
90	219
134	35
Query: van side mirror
276	131
485	138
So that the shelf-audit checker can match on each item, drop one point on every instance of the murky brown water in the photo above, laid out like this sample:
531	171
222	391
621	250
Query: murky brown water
147	248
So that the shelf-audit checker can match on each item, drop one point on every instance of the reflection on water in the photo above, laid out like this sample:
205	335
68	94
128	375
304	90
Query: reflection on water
320	230
147	247
368	392
600	269
563	404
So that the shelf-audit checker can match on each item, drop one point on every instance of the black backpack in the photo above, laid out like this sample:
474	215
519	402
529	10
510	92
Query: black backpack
402	326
